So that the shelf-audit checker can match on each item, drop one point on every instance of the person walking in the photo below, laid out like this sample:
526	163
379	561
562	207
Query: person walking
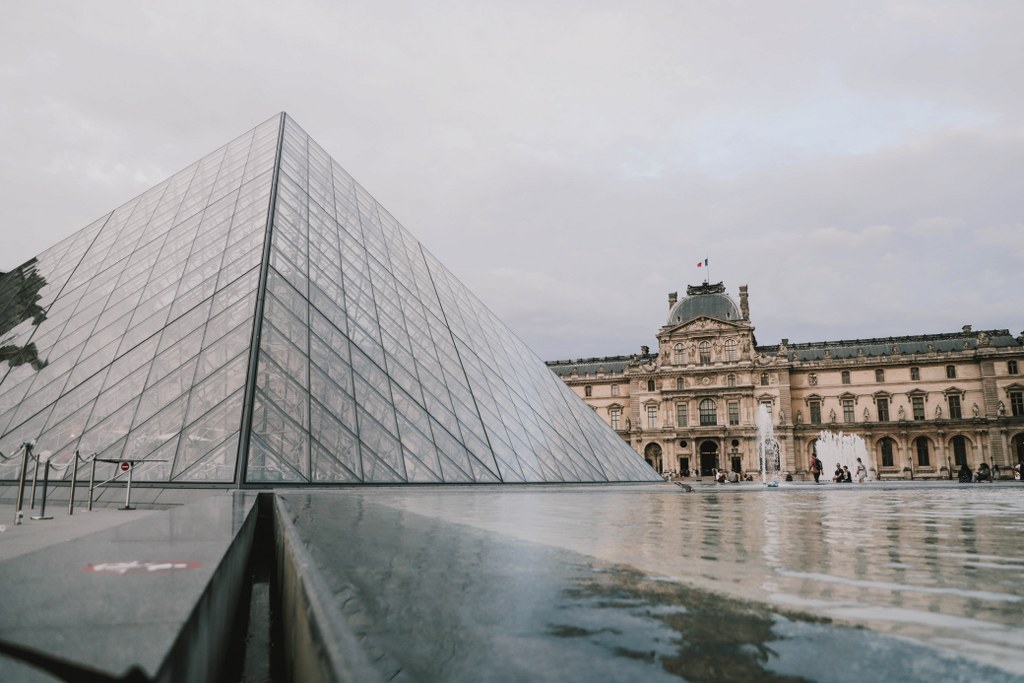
815	468
862	472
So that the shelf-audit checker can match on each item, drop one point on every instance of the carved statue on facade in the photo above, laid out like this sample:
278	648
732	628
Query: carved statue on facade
975	409
902	413
1002	409
832	415
938	412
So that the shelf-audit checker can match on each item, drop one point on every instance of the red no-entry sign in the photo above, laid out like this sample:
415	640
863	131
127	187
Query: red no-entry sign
125	466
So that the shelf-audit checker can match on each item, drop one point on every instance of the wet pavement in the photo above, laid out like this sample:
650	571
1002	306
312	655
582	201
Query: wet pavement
913	583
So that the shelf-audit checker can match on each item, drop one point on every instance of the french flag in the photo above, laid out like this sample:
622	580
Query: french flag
702	263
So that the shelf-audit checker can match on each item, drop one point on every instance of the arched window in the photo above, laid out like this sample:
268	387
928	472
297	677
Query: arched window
678	356
731	350
708	412
650	385
588	391
846	376
680	383
887	446
923	457
879	375
730	380
959	450
704	348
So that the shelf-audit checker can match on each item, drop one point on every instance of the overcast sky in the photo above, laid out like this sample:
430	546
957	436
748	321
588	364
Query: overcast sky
858	164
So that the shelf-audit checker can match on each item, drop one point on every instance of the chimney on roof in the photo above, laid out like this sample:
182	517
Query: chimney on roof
967	328
744	306
673	297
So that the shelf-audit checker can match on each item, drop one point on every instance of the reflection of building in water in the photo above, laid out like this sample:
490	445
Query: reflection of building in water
921	403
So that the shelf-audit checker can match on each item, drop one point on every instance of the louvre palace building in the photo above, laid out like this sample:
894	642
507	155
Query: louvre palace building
924	404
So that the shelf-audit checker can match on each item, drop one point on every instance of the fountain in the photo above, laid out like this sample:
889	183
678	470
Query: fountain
843	449
768	451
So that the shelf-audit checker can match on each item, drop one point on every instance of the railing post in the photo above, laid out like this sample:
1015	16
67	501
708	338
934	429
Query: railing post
128	489
46	484
35	476
26	449
92	480
74	477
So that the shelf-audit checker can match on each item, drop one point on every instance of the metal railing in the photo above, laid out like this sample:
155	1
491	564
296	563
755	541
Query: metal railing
122	466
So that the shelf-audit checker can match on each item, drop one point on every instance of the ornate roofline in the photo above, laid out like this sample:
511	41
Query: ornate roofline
705	288
947	336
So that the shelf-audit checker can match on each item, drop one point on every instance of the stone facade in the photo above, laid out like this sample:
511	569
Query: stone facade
923	404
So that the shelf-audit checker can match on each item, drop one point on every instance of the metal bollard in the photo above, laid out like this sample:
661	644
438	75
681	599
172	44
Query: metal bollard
35	476
92	481
46	483
27	450
74	477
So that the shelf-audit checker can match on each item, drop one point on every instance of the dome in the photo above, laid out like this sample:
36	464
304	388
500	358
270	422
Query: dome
708	301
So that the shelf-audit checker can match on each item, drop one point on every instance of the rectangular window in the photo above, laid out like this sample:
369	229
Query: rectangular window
848	410
682	414
815	407
887	458
846	376
734	413
950	372
954	408
918	402
708	413
616	415
652	416
1017	403
883	409
915	374
615	390
959	450
1011	367
923	458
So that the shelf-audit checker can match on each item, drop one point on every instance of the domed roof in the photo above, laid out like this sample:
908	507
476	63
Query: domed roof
709	301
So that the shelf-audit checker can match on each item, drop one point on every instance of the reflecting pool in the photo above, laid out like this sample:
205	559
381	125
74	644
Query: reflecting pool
941	566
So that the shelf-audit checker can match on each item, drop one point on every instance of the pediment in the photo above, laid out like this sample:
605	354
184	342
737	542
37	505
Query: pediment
704	324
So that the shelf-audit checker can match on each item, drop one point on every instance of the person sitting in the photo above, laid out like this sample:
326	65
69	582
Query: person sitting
720	477
847	476
838	474
965	475
984	473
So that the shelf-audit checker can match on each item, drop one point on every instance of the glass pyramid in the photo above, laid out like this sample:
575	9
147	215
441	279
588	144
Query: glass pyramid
259	318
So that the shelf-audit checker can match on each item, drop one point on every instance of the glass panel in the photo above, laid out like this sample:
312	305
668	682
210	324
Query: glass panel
282	441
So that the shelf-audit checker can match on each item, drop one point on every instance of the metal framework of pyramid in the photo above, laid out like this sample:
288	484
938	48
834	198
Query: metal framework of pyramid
259	318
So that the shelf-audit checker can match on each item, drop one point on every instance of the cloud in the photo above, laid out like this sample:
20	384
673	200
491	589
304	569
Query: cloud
857	164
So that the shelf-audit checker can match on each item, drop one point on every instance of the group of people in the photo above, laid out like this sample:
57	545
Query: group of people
984	473
842	475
